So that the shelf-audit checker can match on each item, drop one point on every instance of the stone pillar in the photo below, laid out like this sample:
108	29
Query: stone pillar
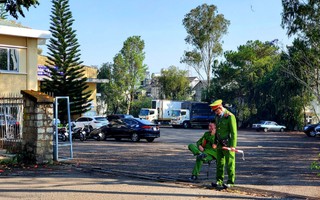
37	132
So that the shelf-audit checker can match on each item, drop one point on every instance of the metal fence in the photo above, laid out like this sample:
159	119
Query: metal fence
11	115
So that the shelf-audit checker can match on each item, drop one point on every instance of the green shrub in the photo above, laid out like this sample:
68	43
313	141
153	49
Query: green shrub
316	165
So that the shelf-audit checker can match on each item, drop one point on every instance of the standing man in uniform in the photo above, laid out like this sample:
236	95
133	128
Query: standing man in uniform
204	150
226	136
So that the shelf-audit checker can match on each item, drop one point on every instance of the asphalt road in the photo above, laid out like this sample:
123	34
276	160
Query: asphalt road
275	163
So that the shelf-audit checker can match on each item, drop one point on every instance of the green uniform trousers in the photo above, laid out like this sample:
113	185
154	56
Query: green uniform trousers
194	149
228	158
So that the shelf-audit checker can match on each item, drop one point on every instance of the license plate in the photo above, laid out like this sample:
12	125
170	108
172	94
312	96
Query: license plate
154	128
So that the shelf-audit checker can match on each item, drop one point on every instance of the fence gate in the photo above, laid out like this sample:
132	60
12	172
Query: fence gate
11	115
65	147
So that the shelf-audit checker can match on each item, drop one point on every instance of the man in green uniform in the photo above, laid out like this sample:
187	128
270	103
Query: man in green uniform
203	149
226	136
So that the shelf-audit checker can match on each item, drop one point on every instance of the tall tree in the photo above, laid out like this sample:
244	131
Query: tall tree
174	84
66	75
302	19
301	16
130	68
112	93
205	29
239	78
15	7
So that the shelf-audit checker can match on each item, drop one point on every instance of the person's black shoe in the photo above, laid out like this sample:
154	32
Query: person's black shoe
216	185
201	156
193	178
213	184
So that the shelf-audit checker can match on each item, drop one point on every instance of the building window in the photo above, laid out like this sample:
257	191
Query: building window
9	59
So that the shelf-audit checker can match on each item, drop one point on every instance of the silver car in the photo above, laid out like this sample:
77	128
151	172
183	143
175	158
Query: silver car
93	122
268	126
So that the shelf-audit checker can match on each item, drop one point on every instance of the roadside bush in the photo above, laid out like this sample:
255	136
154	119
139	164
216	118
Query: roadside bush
316	165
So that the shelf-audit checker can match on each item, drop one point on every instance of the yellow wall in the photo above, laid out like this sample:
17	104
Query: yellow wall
90	72
26	77
32	78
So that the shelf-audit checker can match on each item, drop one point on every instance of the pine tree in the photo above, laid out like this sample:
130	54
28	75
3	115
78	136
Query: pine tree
66	75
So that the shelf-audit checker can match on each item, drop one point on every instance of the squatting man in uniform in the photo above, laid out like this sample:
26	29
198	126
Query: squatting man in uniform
203	150
226	136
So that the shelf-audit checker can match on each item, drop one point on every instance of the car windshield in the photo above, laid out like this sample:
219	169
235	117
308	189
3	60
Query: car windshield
100	119
175	113
113	117
144	112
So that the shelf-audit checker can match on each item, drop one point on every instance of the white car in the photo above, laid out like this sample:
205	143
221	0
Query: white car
268	126
93	122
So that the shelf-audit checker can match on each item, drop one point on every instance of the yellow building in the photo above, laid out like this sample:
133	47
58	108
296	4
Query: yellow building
18	57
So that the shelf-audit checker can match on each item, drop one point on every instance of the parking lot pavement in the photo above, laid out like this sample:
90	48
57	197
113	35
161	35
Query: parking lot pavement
74	183
274	163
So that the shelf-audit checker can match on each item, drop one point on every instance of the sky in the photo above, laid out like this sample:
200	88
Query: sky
102	26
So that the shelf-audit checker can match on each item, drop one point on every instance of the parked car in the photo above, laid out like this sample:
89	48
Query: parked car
132	128
118	116
10	124
8	120
309	129
93	122
312	130
268	126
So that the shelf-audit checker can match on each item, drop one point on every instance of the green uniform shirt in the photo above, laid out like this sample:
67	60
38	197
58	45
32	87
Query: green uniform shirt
227	128
207	140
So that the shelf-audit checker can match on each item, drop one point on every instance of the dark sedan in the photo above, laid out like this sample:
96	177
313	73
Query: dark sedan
309	129
132	128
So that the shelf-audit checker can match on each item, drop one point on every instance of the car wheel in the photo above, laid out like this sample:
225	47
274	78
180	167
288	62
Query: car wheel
265	130
100	136
135	137
82	137
91	128
313	133
308	133
281	130
186	125
63	137
150	139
